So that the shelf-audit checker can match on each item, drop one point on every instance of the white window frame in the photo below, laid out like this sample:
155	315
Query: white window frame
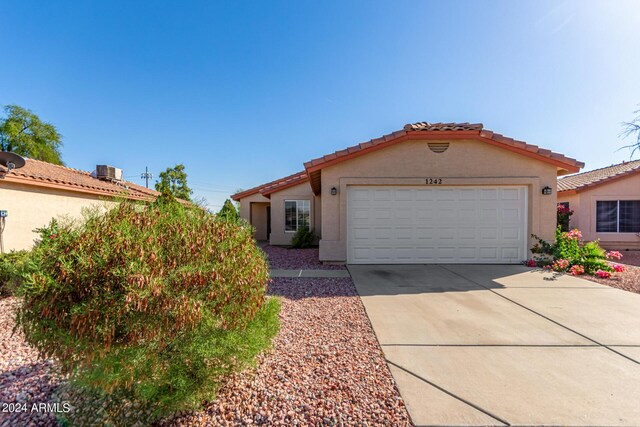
297	217
617	217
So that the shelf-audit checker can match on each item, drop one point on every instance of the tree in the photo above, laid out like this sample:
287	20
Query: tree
25	134
228	211
632	129
173	181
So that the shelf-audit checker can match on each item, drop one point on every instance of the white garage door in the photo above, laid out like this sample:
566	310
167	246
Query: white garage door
420	225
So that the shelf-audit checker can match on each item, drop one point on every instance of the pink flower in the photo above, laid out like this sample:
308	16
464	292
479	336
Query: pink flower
531	263
614	254
53	236
574	234
576	270
560	265
618	268
603	274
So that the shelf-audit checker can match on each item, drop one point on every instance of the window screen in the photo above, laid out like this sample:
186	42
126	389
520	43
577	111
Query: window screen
607	216
629	216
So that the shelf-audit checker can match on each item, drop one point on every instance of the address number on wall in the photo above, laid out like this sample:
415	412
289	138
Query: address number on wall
434	181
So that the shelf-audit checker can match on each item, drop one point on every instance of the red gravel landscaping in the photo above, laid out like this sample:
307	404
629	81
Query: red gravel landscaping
284	258
325	368
628	281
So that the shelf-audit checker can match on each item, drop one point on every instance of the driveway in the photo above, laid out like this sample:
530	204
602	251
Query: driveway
505	345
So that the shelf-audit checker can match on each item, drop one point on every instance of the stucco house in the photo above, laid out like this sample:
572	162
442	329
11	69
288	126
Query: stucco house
428	193
40	191
605	204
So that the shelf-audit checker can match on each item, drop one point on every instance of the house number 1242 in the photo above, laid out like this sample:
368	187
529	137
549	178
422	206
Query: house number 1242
434	181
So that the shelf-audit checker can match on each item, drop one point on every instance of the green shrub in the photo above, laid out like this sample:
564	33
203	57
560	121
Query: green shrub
156	303
11	266
568	250
303	238
228	211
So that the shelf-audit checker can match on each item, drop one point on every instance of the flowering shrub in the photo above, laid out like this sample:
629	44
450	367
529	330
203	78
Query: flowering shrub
618	268
614	255
156	303
576	270
574	234
571	254
603	274
560	265
563	216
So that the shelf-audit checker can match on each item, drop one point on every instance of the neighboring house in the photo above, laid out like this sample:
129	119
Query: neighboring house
40	191
606	204
429	193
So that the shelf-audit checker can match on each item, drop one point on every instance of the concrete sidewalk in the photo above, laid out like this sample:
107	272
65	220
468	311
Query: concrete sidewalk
505	345
310	273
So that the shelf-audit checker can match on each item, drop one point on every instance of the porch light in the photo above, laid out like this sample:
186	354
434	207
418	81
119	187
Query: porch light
546	191
334	191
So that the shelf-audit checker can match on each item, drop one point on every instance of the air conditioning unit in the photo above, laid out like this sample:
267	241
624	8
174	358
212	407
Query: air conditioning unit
108	173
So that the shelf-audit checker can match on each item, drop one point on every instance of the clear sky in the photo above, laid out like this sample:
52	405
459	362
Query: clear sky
245	92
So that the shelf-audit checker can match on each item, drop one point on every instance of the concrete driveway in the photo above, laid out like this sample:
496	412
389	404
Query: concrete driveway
505	345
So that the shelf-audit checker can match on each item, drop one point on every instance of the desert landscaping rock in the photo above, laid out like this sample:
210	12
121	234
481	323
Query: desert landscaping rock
628	281
281	258
325	368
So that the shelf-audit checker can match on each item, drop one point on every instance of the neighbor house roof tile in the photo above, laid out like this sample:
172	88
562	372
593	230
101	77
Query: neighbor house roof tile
598	176
39	173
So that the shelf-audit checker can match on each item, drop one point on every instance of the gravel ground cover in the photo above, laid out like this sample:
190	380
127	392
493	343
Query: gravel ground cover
24	378
296	259
628	281
325	368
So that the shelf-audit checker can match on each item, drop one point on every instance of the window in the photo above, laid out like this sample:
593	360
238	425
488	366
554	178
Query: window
618	216
629	216
296	214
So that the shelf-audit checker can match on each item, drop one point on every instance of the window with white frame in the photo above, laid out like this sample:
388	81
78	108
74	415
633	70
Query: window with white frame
618	216
297	214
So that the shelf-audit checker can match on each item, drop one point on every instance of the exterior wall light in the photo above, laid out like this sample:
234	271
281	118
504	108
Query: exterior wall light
546	191
334	191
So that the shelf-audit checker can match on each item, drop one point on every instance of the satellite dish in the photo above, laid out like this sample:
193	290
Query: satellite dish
11	160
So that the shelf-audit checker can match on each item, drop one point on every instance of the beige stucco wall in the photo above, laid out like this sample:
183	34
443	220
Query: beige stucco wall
410	162
574	202
298	192
31	207
246	211
584	206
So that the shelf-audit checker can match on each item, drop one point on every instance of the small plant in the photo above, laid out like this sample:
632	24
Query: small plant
303	238
155	304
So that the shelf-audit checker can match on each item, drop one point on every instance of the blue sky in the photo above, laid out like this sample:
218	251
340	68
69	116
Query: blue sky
245	92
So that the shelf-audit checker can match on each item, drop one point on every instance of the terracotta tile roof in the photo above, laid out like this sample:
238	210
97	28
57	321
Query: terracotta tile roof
598	176
443	126
43	174
446	130
271	187
286	182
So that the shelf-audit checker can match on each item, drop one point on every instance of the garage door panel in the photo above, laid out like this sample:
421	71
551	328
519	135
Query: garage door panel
436	225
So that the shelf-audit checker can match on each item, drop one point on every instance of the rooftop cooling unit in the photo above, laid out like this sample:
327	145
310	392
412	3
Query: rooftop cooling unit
108	173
